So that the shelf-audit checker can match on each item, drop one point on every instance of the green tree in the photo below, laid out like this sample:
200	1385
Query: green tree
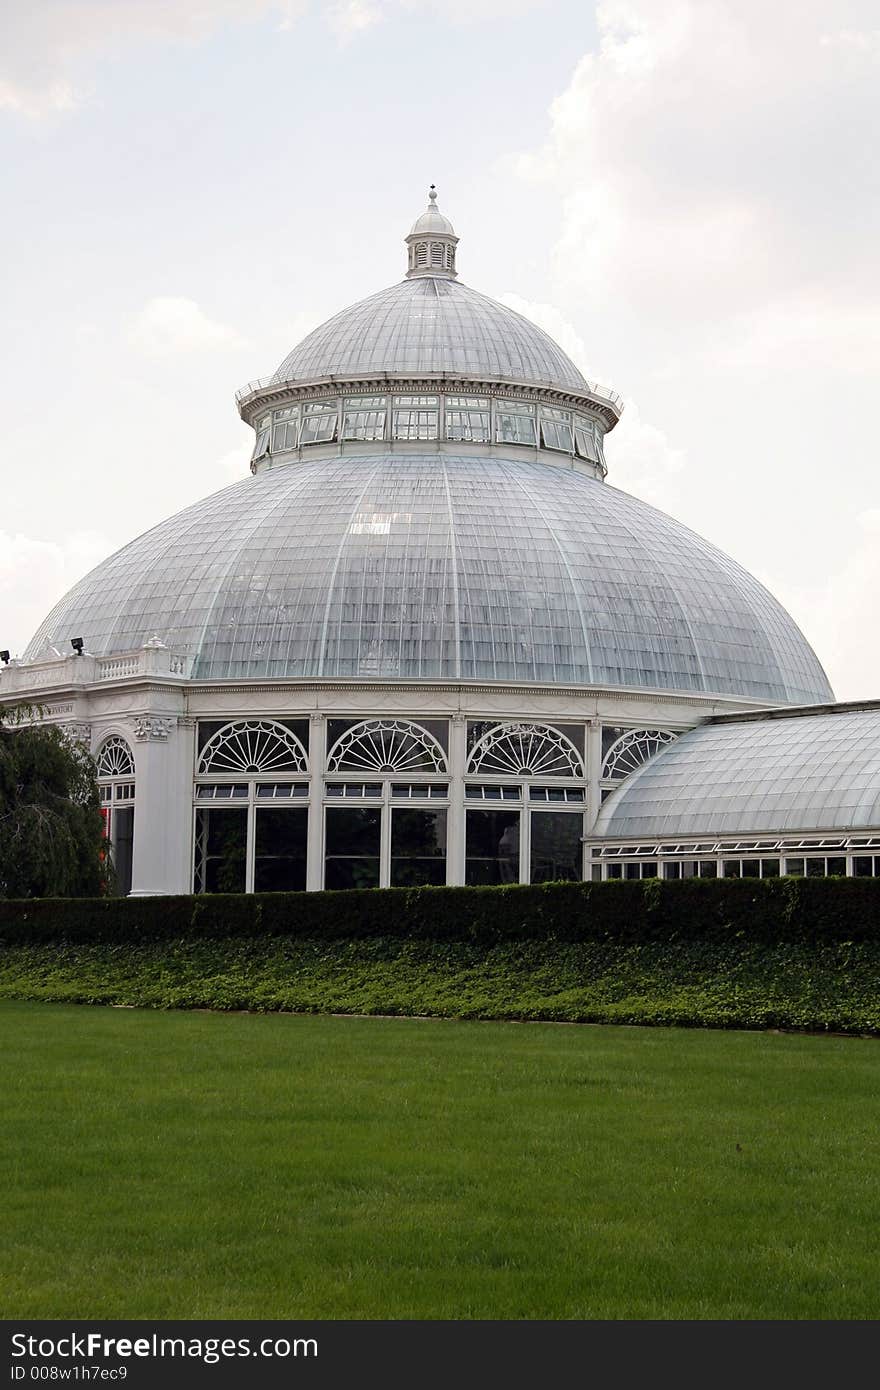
51	830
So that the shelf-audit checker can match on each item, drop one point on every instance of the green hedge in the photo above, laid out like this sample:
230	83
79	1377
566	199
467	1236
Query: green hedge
796	910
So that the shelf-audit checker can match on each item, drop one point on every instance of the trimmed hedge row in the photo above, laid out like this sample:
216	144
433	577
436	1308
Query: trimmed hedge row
776	910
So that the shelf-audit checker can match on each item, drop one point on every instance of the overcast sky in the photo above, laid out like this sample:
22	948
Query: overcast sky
683	192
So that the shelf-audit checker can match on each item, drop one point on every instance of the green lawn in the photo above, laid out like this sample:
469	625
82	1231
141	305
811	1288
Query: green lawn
196	1165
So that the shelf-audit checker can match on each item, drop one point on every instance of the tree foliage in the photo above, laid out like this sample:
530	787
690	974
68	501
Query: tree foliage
51	830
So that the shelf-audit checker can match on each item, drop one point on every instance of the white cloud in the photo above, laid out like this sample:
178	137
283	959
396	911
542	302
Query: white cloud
49	45
169	324
713	154
809	330
640	456
35	574
234	465
554	322
350	17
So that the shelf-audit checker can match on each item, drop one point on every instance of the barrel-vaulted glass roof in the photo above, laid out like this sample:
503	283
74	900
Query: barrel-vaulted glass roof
441	567
805	772
432	324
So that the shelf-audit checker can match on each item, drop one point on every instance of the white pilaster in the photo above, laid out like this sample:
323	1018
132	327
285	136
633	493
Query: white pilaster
456	823
317	761
593	760
162	859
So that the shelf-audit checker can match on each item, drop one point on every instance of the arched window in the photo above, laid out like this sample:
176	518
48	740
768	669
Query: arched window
632	751
115	759
525	750
386	745
115	767
252	746
251	817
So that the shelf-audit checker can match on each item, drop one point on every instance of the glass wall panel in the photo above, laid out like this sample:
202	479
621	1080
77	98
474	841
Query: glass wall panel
751	868
415	417
769	868
864	865
319	422
221	847
364	417
556	429
352	854
836	867
794	867
418	847
708	868
515	424
467	417
492	854
280	850
584	438
556	847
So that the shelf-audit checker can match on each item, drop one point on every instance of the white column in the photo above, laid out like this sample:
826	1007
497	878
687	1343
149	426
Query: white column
593	762
317	761
455	824
162	853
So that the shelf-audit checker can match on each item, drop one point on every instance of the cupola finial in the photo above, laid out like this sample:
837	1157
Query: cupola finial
432	242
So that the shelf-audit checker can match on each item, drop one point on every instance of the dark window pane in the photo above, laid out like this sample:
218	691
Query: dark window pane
352	847
649	870
815	868
123	836
732	868
556	847
672	870
794	867
280	850
769	868
418	847
632	870
708	868
836	867
863	865
751	868
492	847
221	845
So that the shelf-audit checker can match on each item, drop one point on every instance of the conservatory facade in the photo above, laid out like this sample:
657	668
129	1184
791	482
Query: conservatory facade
424	641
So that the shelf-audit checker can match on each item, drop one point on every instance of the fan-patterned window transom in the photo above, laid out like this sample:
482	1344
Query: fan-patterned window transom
526	750
252	746
633	750
386	745
115	758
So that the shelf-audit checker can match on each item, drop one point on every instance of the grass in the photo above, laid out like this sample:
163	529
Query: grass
196	1165
722	983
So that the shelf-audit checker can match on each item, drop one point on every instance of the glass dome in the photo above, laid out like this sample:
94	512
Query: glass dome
429	325
804	772
440	566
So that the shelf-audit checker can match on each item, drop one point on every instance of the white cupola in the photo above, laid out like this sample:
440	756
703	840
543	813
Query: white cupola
432	242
